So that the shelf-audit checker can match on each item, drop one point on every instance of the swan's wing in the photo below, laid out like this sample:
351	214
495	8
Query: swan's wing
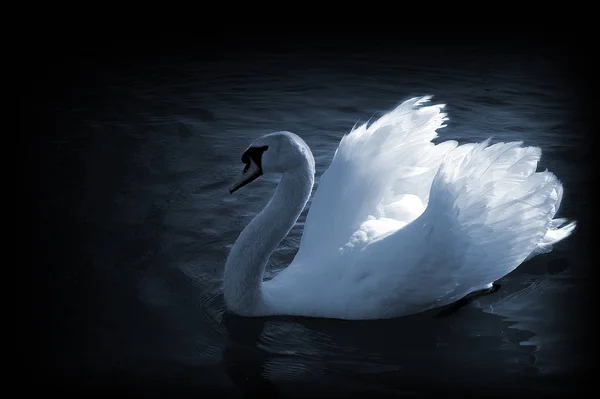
488	211
378	180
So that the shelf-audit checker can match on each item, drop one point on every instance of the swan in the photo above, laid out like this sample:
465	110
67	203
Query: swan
398	225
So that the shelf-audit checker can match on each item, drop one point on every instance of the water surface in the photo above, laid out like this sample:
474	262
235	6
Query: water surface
155	147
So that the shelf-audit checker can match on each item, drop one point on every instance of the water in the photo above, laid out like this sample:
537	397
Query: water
139	171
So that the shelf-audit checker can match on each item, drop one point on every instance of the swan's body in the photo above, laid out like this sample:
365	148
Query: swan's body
398	225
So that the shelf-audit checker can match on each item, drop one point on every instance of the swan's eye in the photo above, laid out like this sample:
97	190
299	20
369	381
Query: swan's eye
246	167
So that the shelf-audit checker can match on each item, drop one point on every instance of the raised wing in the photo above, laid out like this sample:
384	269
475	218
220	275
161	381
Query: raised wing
378	180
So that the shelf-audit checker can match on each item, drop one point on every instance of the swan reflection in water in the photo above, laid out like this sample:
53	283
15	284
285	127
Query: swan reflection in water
452	347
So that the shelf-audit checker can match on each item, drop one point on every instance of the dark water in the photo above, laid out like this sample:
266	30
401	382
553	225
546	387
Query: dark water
139	174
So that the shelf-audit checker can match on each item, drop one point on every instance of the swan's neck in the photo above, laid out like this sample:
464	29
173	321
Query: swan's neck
245	266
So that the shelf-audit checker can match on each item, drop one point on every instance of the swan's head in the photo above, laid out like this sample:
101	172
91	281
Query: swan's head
278	152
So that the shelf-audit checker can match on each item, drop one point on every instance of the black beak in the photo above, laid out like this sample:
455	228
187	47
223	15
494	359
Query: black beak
250	173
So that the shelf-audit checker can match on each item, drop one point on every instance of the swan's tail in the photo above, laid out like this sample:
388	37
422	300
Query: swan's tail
557	231
498	206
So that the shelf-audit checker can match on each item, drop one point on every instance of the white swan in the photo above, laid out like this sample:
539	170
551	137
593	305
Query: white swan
397	225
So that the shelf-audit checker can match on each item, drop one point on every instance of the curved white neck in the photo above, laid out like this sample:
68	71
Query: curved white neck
245	266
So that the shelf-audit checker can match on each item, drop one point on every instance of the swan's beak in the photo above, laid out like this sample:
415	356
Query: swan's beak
246	177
